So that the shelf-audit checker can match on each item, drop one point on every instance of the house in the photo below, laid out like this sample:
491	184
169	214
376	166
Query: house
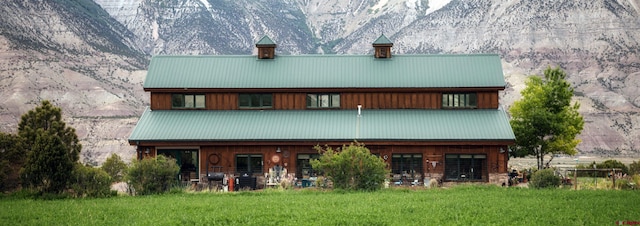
427	116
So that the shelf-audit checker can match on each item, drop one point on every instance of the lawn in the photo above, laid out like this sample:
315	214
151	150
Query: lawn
463	205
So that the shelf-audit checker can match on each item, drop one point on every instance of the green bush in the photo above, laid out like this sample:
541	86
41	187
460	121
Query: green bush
12	158
545	178
611	163
608	164
90	182
624	184
353	168
115	167
635	181
153	175
634	168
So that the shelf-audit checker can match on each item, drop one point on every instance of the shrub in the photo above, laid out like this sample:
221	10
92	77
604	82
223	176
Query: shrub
545	178
635	180
153	175
90	182
353	168
115	167
611	163
624	184
634	168
608	164
12	158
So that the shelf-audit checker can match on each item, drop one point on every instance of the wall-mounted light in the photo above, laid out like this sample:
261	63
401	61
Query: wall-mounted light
146	151
501	150
278	150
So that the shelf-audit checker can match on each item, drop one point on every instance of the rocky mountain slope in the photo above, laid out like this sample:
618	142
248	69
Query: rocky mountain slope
90	58
81	59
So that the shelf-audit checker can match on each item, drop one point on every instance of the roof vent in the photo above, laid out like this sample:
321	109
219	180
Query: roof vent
266	48
382	47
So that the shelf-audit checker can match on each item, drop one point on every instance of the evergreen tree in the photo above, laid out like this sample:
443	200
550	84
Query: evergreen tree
12	158
51	149
48	168
48	118
544	121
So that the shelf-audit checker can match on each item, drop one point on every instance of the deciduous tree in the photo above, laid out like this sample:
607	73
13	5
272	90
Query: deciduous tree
544	120
115	167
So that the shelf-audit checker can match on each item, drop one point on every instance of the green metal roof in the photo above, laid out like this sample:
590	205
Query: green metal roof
265	40
382	40
323	125
326	71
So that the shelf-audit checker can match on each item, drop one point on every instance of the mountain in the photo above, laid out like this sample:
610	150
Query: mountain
76	55
90	57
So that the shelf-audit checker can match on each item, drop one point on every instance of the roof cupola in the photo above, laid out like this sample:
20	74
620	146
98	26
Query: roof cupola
382	47
266	48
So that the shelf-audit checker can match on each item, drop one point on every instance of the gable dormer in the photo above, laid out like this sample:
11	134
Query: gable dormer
382	47
266	48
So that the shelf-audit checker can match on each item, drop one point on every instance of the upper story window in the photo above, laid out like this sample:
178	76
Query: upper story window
459	100
255	100
187	100
326	100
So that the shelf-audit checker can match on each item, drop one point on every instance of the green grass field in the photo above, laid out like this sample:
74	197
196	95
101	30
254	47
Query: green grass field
463	205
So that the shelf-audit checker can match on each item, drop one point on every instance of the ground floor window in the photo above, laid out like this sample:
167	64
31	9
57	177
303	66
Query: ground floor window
465	167
303	165
187	160
408	166
249	163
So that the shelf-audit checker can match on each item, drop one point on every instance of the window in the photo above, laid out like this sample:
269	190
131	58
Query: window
187	160
407	165
255	100
328	100
247	163
459	100
465	167
383	52
187	100
303	165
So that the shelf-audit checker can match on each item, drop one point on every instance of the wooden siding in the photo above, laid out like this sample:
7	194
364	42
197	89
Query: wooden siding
289	101
488	100
221	101
226	155
160	101
348	100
